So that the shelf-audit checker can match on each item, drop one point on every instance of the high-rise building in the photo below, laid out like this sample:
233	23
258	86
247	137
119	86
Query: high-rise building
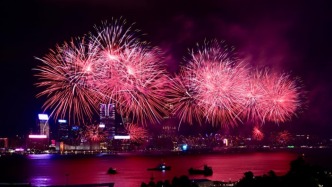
63	130
44	128
107	118
75	135
3	143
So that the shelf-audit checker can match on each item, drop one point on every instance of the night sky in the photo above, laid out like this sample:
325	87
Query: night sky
288	37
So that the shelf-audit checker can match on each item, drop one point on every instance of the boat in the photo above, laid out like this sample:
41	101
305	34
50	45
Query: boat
161	167
112	171
206	171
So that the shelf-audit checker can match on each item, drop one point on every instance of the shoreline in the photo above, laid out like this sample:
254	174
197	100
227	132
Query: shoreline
237	150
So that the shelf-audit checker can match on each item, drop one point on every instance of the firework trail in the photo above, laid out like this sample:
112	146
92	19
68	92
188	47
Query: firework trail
136	132
115	36
65	78
183	103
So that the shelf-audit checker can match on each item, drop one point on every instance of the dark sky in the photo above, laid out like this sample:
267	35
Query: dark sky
293	37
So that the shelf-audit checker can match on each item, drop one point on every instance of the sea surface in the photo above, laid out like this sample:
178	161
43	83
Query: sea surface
53	169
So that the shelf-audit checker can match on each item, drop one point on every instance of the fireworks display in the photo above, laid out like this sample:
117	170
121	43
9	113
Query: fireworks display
113	65
221	89
136	133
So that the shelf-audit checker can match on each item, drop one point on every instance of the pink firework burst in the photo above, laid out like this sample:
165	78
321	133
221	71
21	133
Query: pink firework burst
216	82
94	134
65	76
113	66
221	89
257	134
283	137
282	97
130	73
270	97
112	40
136	132
255	95
137	84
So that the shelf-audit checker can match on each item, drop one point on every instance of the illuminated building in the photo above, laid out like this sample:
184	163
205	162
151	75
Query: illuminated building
44	128
107	118
37	143
63	130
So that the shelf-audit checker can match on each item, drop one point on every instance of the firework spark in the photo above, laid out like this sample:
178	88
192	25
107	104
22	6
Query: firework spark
183	102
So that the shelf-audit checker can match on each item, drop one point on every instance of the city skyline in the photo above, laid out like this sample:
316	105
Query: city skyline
283	37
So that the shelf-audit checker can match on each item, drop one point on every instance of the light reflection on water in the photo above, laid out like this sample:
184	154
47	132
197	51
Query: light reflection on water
42	170
40	180
40	156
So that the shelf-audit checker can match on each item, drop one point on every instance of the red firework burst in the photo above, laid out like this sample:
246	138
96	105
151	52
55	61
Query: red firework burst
283	137
94	134
257	134
136	132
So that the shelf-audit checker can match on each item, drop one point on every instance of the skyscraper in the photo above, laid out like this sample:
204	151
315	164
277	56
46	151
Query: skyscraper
107	118
44	128
63	130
